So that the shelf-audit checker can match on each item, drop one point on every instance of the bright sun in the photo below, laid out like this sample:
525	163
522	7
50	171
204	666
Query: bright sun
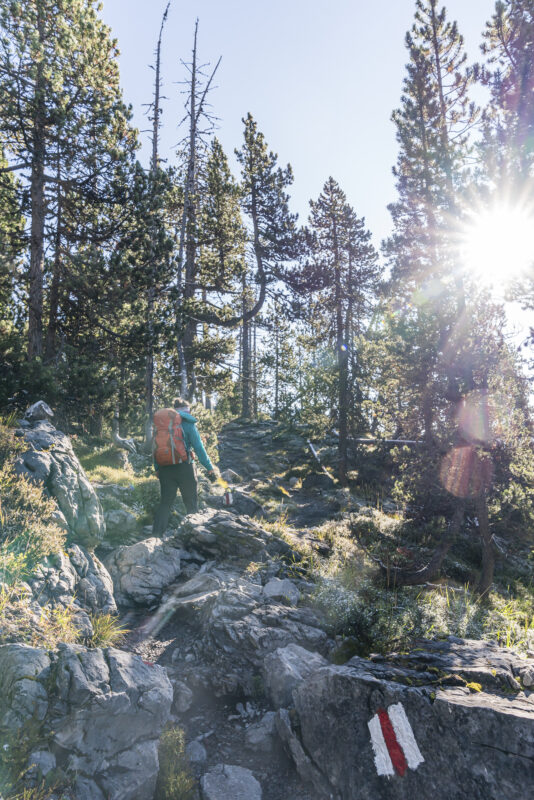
498	242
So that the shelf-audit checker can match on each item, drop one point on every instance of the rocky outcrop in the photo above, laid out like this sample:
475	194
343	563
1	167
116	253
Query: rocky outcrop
75	577
448	721
285	669
51	461
142	571
223	536
100	712
240	625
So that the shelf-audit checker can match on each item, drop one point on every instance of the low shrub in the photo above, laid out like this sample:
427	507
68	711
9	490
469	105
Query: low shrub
175	780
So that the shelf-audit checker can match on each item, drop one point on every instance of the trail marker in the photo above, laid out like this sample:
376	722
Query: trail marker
393	742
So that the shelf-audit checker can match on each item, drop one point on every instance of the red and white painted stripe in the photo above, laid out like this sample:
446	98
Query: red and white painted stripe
393	742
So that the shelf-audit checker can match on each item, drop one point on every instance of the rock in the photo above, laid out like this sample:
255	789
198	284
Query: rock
50	460
43	761
223	535
38	411
239	631
318	480
140	572
120	524
459	737
23	672
230	476
225	781
76	577
283	590
527	676
293	482
101	712
285	669
245	504
183	697
196	752
252	467
259	736
304	765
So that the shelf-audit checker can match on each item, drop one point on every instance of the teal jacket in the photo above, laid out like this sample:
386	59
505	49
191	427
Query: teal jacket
193	440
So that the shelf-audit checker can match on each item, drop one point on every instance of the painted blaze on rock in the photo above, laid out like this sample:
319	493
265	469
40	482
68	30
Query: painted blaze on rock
393	741
373	735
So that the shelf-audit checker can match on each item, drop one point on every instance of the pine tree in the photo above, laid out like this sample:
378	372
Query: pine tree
273	232
344	271
63	120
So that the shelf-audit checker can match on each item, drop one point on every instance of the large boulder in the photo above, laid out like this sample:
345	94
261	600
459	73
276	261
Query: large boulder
75	579
225	781
442	722
225	536
51	461
142	571
285	669
101	712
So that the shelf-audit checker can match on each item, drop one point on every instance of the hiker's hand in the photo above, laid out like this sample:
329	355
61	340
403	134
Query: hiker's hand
212	475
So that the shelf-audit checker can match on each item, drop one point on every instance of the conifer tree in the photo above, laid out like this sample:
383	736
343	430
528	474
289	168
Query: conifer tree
345	273
59	103
273	231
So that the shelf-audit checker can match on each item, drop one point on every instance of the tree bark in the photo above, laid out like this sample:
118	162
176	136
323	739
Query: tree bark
38	211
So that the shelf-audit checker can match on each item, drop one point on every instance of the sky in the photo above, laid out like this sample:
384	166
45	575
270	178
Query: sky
320	78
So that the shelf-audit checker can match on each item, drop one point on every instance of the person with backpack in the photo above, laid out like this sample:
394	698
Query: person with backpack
174	440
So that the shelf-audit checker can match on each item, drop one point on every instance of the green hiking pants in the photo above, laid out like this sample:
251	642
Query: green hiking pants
172	478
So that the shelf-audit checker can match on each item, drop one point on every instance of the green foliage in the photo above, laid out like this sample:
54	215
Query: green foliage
107	631
27	530
175	780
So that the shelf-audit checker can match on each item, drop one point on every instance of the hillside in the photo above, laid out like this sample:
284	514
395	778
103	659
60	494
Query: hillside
253	644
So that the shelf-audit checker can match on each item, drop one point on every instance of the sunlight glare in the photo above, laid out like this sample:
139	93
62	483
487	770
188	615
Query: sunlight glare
499	243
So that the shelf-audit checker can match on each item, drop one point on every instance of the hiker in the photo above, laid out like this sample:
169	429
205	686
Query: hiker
174	439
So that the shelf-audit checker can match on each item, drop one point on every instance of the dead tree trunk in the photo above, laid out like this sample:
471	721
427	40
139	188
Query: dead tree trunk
151	344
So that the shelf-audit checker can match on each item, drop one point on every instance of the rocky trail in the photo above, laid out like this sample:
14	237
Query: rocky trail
226	643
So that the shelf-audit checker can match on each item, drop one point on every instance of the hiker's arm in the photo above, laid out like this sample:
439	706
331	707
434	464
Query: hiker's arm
198	447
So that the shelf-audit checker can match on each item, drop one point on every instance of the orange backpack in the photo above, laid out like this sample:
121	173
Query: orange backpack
168	442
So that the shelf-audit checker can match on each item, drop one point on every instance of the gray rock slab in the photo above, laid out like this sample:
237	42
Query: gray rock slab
285	669
142	571
227	782
77	577
260	735
196	752
102	712
456	743
284	590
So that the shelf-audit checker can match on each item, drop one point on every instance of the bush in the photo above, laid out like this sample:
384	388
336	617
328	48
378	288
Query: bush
175	781
28	532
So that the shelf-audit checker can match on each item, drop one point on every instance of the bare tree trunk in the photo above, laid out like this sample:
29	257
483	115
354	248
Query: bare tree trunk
488	551
245	355
342	360
38	211
151	344
254	369
51	333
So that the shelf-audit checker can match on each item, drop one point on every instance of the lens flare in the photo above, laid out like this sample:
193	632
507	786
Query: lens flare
464	473
497	242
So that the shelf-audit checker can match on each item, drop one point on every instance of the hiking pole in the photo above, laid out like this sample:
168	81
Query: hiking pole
316	456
